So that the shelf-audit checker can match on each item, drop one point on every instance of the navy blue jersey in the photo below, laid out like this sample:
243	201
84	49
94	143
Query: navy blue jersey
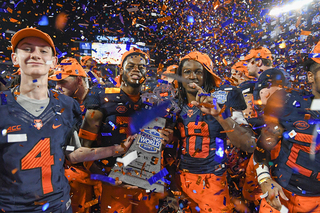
203	140
295	171
32	155
117	108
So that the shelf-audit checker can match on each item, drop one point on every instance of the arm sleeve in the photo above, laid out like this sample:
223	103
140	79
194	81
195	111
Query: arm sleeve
235	99
93	98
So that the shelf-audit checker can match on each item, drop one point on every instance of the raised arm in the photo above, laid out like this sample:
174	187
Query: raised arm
240	136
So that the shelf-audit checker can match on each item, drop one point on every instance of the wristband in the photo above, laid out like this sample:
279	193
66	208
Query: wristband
262	172
264	180
87	135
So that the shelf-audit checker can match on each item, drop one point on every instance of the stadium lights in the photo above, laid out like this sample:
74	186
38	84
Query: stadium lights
286	8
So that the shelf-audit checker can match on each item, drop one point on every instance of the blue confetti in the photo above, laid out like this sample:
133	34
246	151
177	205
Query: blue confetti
195	8
197	208
219	150
59	76
204	94
243	36
197	120
106	134
112	124
112	81
190	19
226	114
138	121
34	80
93	78
103	178
44	21
226	23
158	176
45	207
65	64
128	45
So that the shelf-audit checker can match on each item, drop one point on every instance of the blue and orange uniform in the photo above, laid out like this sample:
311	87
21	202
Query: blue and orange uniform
84	191
293	169
32	154
203	159
117	108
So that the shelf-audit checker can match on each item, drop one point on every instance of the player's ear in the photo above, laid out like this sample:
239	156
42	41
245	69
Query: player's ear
259	62
310	77
54	62
14	58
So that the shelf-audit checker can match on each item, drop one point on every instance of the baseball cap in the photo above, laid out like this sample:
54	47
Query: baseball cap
259	52
315	53
84	59
31	32
132	51
241	67
206	62
171	69
67	67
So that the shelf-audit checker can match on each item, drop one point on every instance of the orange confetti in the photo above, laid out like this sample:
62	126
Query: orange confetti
9	10
61	20
226	131
105	162
167	18
14	171
13	20
305	32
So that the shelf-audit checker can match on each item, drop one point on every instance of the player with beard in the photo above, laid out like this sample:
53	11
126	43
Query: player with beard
107	123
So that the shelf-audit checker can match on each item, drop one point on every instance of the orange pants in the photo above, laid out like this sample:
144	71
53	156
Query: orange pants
213	197
82	189
123	200
251	190
295	204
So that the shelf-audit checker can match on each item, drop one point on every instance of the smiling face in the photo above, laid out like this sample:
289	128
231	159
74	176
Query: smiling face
34	56
193	71
134	70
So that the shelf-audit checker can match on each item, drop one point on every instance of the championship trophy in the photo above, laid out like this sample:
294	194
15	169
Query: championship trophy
141	165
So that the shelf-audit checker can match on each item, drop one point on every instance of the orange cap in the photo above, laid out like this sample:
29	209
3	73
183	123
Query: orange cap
133	50
206	62
171	69
315	54
84	59
260	52
241	67
31	32
67	67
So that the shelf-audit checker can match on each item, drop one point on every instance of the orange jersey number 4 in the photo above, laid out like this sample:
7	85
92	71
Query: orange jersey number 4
45	161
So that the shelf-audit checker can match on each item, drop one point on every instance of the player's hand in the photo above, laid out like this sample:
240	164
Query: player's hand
123	147
206	104
120	184
166	135
274	191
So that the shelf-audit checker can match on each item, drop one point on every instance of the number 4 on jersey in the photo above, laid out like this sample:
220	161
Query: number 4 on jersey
39	157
